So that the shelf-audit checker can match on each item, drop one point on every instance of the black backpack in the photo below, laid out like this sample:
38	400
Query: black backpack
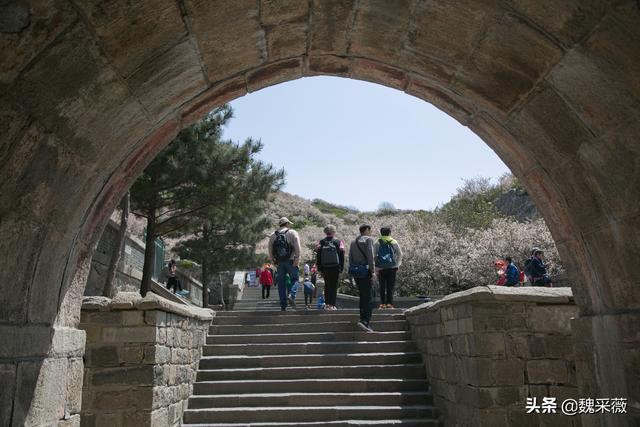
329	253
281	248
528	267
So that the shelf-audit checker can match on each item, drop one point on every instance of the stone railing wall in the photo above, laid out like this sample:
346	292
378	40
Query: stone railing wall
45	364
141	359
193	286
489	348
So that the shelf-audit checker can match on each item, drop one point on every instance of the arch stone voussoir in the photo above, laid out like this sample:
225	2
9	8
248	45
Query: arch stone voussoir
91	91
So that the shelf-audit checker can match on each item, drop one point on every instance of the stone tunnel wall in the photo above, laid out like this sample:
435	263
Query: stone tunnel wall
489	348
141	359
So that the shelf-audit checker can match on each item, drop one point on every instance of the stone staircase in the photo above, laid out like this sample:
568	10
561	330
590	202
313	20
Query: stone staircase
263	367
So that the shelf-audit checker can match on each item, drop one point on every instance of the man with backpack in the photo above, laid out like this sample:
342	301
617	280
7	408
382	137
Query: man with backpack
388	258
330	261
284	251
528	266
539	276
361	268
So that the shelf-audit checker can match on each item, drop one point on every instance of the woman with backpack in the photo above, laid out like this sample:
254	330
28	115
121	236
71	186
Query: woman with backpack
388	256
330	262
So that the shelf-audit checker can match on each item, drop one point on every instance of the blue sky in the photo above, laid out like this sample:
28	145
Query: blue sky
358	144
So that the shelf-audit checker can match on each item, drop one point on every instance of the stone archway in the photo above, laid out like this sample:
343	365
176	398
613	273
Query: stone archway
91	91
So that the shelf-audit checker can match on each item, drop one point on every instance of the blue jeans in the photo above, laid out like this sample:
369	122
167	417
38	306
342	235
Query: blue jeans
293	290
285	267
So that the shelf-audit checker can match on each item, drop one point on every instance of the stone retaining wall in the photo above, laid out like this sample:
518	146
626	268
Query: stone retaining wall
141	359
489	348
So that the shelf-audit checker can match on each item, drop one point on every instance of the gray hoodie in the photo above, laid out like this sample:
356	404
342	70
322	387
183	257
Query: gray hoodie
356	256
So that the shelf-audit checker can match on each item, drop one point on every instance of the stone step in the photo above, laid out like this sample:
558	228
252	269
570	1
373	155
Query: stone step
344	359
414	371
273	303
274	318
265	367
345	423
339	326
306	413
308	348
343	385
305	399
290	312
299	308
298	337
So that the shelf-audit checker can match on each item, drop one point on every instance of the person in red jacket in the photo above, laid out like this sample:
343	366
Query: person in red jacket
266	280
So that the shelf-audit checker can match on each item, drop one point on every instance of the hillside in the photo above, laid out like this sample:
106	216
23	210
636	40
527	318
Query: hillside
446	250
309	219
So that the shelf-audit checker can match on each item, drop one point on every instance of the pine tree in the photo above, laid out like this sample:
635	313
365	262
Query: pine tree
228	232
197	176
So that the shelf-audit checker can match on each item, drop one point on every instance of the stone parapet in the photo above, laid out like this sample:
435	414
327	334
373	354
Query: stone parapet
45	364
489	348
141	359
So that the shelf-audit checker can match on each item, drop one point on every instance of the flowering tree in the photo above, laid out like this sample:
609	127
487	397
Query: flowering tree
450	249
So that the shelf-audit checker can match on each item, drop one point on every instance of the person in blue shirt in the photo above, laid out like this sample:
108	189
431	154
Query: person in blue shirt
512	273
539	276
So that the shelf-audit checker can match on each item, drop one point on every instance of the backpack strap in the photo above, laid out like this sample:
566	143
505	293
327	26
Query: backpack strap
362	252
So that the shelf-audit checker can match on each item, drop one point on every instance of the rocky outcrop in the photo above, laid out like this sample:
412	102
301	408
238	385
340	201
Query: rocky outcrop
517	204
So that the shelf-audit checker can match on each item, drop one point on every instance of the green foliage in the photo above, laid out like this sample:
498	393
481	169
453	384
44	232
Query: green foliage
508	182
209	189
302	222
186	264
472	206
176	182
464	213
261	259
330	208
